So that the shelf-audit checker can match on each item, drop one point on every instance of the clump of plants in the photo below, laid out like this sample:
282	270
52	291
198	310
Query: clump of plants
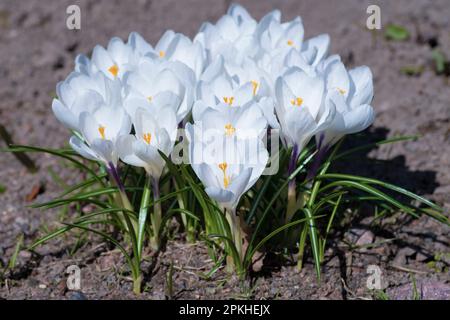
191	129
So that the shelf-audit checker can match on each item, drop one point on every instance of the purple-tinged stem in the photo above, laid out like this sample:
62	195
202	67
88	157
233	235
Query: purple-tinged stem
112	170
322	150
292	197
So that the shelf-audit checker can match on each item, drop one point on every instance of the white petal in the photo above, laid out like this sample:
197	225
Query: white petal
105	150
363	86
89	127
80	147
138	43
125	151
359	118
64	115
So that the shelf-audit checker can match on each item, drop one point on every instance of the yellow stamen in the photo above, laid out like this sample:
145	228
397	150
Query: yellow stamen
226	180
255	86
341	91
114	69
297	101
228	100
101	129
147	137
229	129
162	54
149	98
290	43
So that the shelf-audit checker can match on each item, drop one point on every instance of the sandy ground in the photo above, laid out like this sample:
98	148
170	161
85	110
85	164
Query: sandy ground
37	51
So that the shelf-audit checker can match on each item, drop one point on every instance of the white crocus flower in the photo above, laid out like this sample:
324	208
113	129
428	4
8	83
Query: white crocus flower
223	89
310	59
115	60
153	131
316	49
139	45
100	131
177	47
351	93
155	84
248	71
226	175
226	85
278	38
244	122
82	93
232	36
301	108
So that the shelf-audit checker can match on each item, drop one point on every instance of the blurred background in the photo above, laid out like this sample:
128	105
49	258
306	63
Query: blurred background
409	61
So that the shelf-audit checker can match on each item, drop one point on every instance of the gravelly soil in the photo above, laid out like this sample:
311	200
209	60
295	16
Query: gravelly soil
37	51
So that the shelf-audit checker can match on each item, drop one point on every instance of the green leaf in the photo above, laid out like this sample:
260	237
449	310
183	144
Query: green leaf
315	246
381	183
132	265
396	32
81	185
439	60
87	219
412	70
234	252
143	215
65	154
250	254
275	197
12	261
371	190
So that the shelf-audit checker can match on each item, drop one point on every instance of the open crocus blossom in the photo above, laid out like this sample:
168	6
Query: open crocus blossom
156	83
82	93
153	132
243	122
92	108
221	88
100	131
301	107
113	62
228	156
278	38
231	174
177	47
232	36
351	93
218	89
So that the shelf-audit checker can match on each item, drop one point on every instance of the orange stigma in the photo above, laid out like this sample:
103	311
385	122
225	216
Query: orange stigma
114	69
101	129
255	86
147	138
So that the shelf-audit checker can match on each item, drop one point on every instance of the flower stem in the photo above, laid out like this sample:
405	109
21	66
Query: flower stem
156	216
292	197
130	226
137	282
235	262
124	201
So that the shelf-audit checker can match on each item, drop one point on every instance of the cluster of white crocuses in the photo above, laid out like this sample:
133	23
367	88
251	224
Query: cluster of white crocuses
235	80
